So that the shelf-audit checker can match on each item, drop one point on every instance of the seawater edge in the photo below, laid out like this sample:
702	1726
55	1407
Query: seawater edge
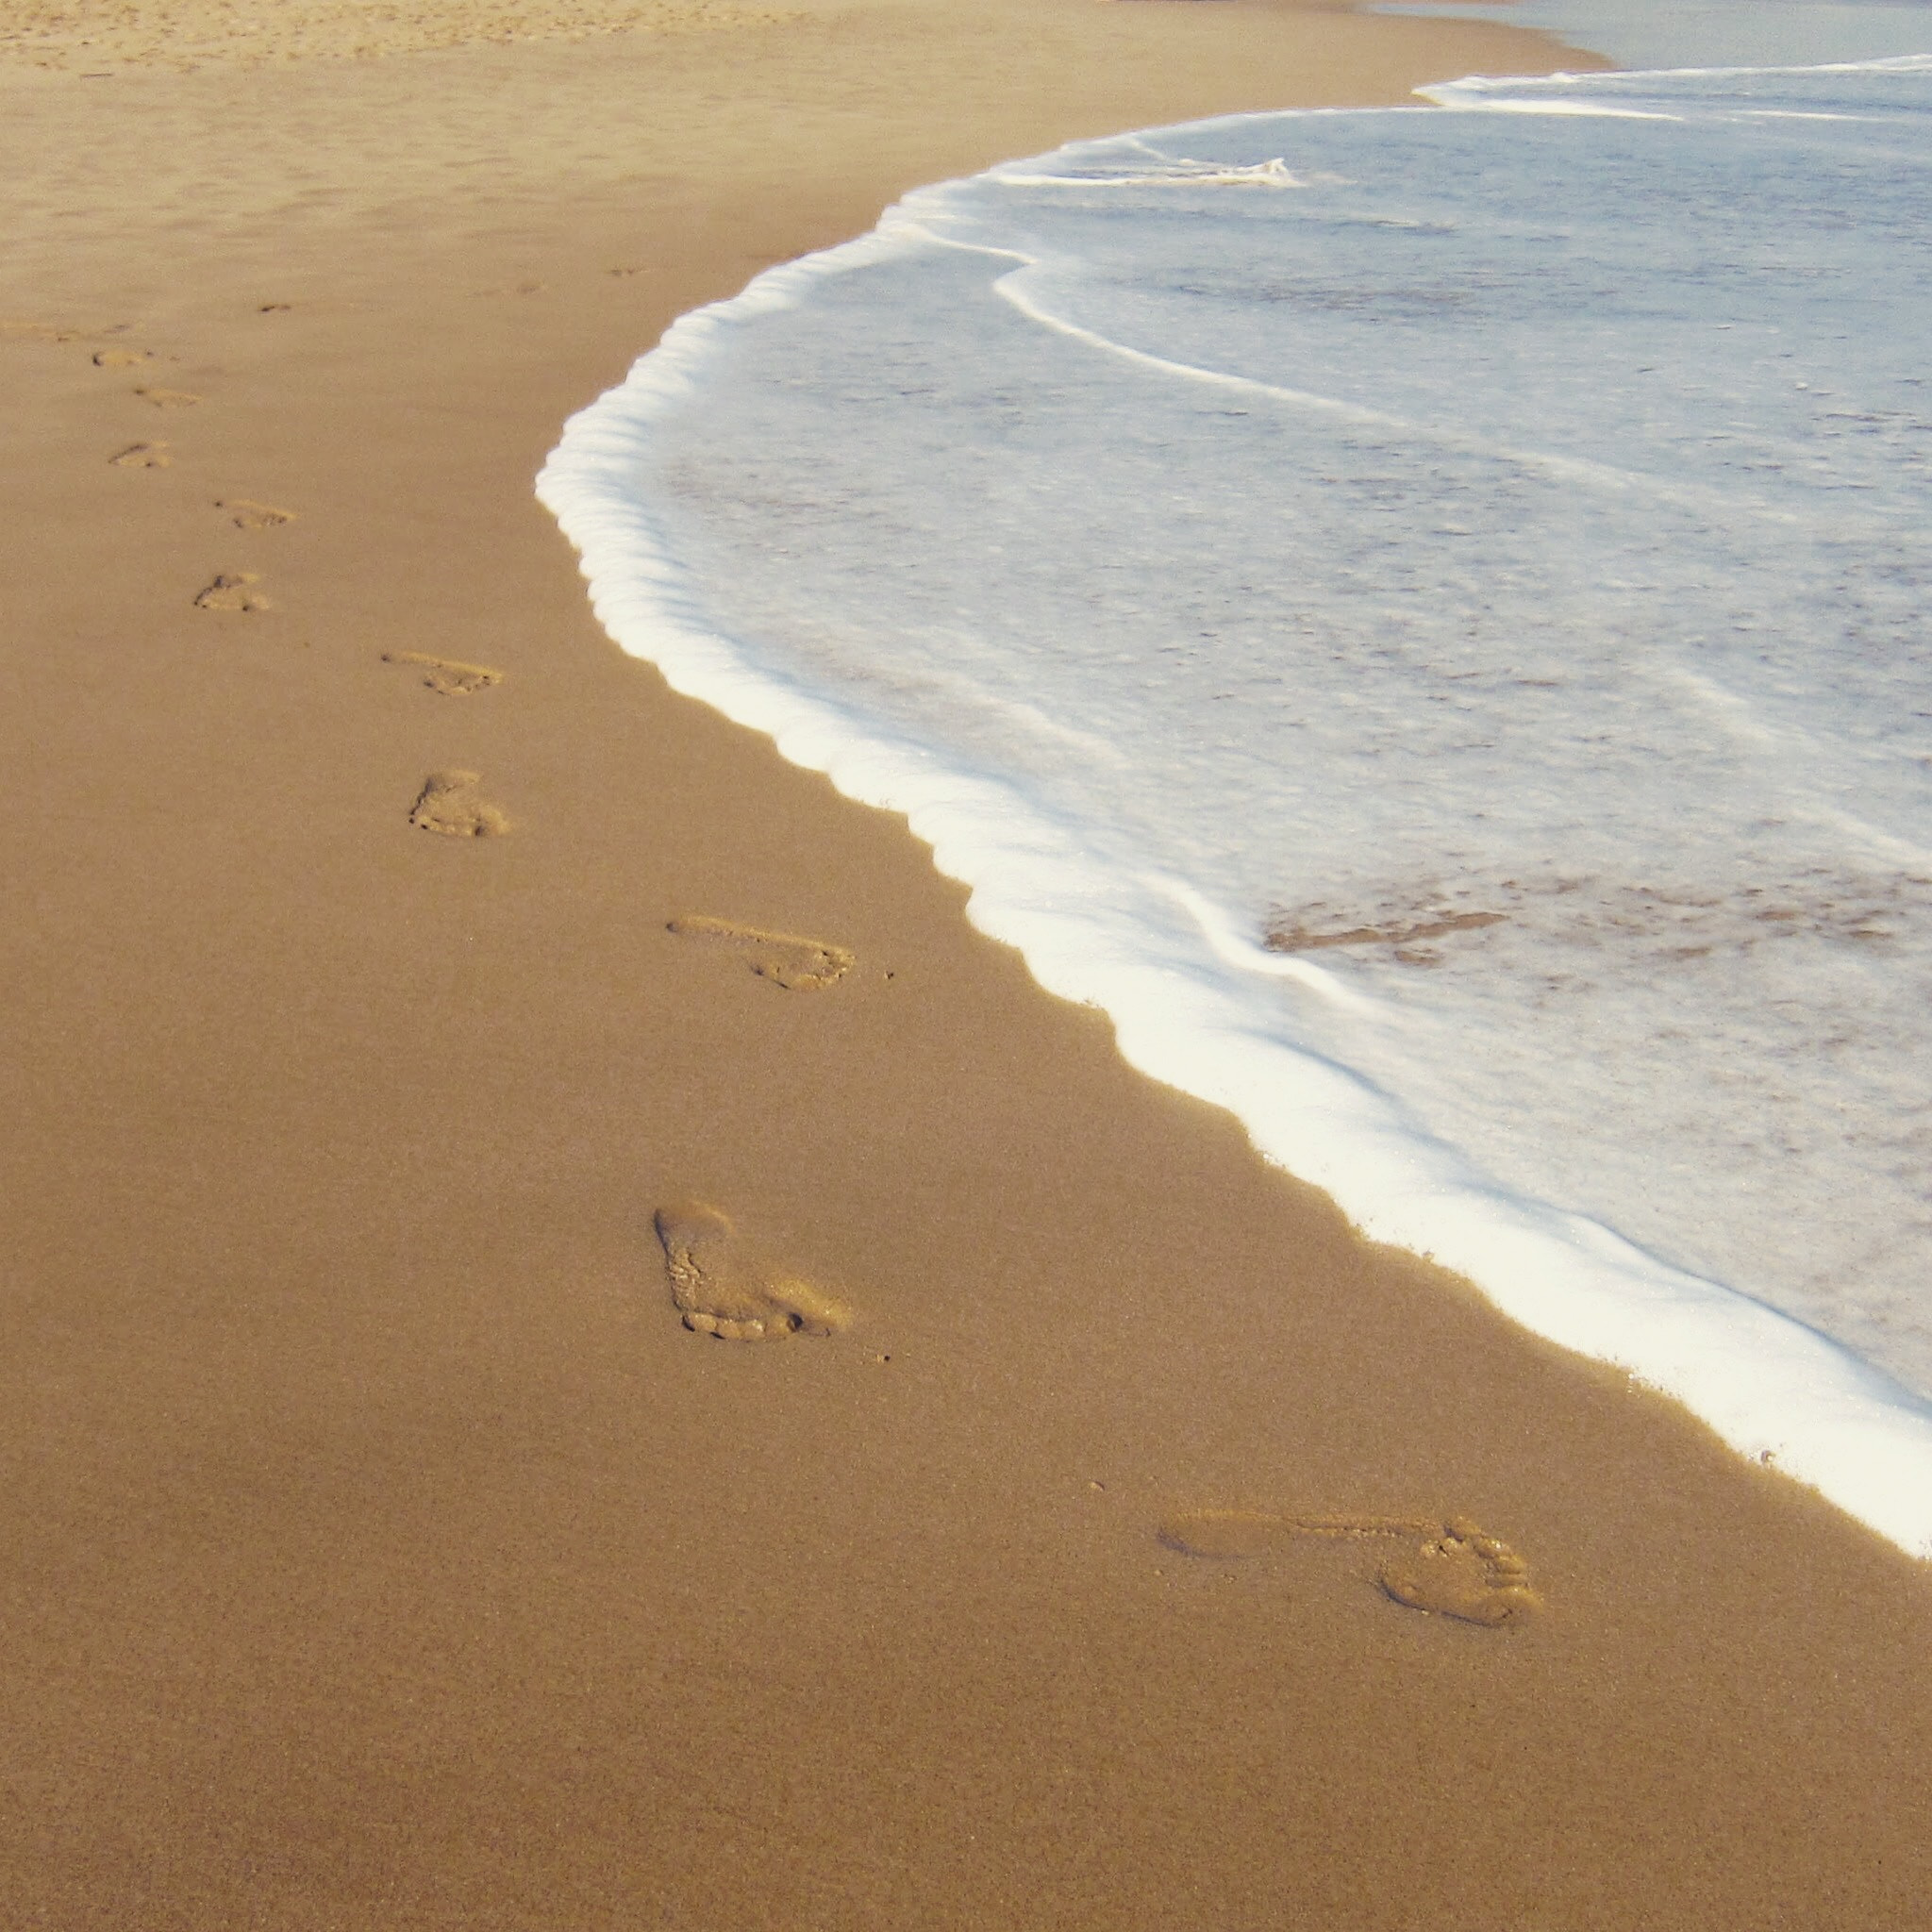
1174	985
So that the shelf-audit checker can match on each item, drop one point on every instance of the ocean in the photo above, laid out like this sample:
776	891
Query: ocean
1420	614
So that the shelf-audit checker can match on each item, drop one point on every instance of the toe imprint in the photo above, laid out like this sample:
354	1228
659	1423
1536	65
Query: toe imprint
784	960
722	1288
450	803
1444	1568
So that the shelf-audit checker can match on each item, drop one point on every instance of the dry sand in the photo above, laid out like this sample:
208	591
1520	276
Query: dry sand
387	1542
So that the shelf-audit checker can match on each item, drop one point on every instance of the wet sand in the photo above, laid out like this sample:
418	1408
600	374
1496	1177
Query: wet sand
403	1526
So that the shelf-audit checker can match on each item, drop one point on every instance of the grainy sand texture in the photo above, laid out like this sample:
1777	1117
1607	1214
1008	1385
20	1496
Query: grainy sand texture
437	1053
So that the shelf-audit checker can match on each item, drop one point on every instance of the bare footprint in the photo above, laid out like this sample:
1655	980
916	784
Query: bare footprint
450	803
233	591
781	958
143	455
169	399
446	676
246	515
722	1288
1446	1568
122	358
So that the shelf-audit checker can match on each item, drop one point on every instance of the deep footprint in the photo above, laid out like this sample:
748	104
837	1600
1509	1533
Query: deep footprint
232	591
446	676
247	515
143	455
1444	1568
723	1288
783	958
449	804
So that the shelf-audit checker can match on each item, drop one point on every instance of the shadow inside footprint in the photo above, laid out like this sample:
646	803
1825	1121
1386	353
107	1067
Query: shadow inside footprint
1444	1568
784	960
450	803
446	676
232	591
143	455
245	515
724	1289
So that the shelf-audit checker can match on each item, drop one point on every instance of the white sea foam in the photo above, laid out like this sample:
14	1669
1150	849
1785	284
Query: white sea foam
1420	617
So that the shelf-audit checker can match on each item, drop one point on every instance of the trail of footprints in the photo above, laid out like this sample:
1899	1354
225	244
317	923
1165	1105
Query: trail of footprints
724	1287
447	803
721	1285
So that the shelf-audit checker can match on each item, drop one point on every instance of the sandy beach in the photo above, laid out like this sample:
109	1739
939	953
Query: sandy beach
408	1519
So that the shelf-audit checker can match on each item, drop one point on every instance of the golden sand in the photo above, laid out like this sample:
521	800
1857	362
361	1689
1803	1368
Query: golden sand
397	1532
179	36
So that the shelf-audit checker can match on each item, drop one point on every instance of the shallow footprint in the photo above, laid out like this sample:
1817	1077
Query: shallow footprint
247	515
446	676
122	358
232	591
143	455
449	804
781	958
1463	1572
1445	1569
169	399
724	1289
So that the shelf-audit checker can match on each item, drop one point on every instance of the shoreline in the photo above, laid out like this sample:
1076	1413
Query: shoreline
386	1547
1776	1388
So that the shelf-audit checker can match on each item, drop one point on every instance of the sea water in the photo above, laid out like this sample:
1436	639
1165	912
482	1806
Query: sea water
1711	33
1421	615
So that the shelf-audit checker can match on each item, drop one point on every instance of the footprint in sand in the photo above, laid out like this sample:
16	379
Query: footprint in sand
446	676
245	515
233	591
449	804
781	958
1446	1568
143	455
169	399
722	1288
122	358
